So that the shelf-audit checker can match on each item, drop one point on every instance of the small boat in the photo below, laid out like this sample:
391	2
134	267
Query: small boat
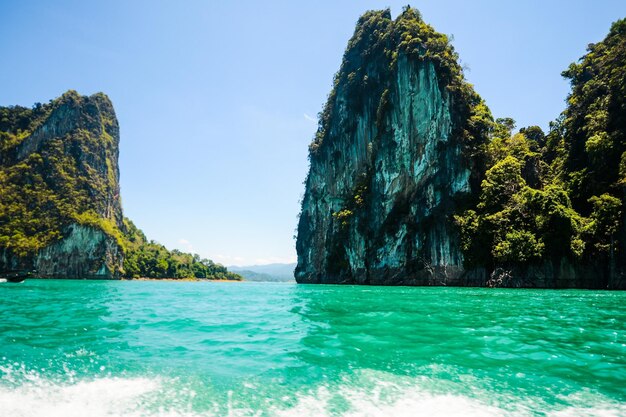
14	276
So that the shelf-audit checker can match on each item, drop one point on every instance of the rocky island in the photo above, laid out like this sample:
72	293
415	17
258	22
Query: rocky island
413	182
60	207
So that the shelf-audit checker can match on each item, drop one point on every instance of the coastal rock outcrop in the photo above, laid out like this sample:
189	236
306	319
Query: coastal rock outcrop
60	208
60	211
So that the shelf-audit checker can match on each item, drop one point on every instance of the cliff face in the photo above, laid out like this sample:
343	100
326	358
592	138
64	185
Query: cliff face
60	210
390	162
84	252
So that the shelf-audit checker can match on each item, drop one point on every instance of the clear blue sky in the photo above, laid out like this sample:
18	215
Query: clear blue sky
217	100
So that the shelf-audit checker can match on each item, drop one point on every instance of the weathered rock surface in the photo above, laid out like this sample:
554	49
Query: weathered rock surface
387	171
84	252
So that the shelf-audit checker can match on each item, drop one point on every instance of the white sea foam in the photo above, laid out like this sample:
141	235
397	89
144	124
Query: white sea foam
410	403
156	397
101	397
113	397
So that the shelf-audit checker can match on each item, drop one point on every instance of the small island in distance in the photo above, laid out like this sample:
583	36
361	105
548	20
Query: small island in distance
266	273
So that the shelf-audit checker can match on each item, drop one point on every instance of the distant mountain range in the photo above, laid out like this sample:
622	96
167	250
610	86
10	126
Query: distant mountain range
266	273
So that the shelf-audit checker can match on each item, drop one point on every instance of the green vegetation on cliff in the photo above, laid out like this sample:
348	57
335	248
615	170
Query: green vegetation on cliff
522	215
376	45
58	165
559	196
59	178
396	150
412	181
594	123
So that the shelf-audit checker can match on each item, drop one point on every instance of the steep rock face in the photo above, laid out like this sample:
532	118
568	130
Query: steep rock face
60	210
84	252
389	164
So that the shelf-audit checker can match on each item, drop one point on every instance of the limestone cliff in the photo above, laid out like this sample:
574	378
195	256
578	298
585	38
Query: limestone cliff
391	161
60	211
412	181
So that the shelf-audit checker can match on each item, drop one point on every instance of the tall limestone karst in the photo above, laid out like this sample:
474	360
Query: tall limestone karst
392	160
60	211
412	182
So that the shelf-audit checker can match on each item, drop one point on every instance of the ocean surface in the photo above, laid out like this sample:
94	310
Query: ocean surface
104	348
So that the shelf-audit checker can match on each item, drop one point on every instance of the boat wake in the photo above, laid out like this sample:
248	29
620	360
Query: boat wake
31	395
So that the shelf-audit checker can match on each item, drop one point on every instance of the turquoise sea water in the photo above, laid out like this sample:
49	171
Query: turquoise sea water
102	348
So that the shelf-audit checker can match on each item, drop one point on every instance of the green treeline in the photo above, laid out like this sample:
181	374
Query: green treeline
153	260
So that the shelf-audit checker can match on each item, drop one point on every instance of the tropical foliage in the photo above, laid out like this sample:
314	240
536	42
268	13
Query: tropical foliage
561	194
152	260
70	179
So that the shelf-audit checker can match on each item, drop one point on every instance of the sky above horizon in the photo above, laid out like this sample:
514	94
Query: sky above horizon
217	101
